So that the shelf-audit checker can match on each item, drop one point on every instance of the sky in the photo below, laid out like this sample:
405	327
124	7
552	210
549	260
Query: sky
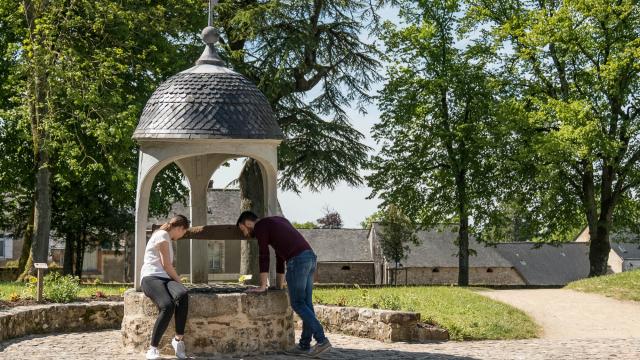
350	202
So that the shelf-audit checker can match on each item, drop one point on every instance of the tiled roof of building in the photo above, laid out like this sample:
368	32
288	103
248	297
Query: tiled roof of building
626	251
545	264
339	245
438	249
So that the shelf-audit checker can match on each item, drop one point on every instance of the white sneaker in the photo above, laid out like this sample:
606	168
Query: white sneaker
178	346
153	353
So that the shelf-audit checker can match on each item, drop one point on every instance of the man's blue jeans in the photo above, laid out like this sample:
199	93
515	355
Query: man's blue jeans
300	270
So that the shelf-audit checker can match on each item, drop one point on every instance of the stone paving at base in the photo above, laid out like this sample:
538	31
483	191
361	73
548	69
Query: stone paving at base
107	345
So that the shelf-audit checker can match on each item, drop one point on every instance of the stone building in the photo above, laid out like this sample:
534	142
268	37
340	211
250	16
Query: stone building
10	248
625	250
624	256
344	255
434	262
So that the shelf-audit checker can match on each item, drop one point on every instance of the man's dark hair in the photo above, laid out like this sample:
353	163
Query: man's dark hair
246	215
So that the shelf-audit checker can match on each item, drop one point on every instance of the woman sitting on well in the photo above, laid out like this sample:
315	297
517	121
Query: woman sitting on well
161	283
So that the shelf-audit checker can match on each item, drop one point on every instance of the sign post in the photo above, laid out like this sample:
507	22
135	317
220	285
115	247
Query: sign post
41	267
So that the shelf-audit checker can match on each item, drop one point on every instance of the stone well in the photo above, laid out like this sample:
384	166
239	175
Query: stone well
223	320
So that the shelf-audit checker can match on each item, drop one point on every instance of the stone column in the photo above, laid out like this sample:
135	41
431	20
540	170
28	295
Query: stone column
148	167
269	169
198	170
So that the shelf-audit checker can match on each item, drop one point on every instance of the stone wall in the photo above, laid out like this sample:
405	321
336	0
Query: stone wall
382	325
55	318
449	275
231	324
345	273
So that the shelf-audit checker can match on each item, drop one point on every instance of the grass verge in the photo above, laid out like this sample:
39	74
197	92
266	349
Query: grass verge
621	286
464	313
11	291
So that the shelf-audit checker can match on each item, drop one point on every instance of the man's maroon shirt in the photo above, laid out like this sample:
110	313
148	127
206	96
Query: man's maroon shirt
283	238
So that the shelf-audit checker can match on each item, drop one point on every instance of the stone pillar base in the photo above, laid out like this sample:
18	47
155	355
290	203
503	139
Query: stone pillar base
235	323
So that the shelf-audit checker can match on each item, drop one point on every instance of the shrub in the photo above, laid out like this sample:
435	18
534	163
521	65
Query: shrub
62	289
390	302
14	296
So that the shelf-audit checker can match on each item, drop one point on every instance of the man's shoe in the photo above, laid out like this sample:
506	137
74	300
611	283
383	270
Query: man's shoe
320	348
298	351
153	354
178	346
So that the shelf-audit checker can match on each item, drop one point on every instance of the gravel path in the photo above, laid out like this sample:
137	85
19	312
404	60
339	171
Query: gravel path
106	345
568	314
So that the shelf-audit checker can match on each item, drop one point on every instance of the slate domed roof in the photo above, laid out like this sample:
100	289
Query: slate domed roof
207	101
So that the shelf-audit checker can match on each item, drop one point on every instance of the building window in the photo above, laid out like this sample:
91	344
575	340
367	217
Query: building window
2	241
216	251
435	270
90	260
489	270
346	267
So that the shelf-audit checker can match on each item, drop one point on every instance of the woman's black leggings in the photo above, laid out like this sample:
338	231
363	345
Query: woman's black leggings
170	296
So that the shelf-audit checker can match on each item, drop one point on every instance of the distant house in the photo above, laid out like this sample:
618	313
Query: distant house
435	261
10	248
625	250
100	262
624	257
344	255
547	265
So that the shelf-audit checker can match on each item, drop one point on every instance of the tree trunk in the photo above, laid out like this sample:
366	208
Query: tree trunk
42	216
25	253
80	247
28	268
252	198
395	275
129	254
69	249
38	114
599	246
463	231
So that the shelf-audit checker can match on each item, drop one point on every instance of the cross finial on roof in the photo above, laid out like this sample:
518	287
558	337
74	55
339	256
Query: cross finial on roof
212	3
210	38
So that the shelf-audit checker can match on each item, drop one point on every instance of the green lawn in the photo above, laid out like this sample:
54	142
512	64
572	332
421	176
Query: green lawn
622	286
10	289
464	313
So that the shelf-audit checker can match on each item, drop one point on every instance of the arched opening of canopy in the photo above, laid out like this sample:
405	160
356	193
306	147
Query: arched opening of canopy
198	164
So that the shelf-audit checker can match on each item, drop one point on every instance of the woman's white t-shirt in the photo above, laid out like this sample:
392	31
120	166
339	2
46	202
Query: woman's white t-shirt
152	265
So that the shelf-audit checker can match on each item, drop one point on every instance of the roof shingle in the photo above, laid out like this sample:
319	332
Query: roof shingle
207	101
